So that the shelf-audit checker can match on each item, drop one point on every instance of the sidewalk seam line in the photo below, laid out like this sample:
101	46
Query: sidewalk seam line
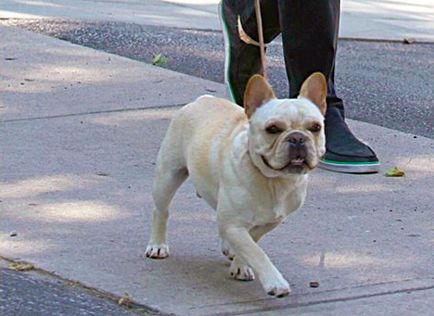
92	113
325	301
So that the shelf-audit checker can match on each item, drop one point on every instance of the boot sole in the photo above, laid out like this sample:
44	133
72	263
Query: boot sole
350	167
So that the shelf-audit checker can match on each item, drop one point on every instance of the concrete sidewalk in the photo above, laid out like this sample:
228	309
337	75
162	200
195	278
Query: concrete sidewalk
80	130
361	19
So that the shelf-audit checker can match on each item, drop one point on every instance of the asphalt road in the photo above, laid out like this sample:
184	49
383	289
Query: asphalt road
385	83
24	293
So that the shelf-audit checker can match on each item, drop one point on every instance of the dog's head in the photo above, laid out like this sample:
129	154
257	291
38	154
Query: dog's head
286	136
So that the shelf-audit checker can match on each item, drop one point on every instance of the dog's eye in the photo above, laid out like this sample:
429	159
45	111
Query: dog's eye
273	129
315	128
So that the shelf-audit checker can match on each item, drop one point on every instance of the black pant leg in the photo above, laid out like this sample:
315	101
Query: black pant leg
269	14
309	35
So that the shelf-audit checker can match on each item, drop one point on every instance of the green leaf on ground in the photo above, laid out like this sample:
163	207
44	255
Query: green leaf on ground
394	172
126	300
21	266
159	60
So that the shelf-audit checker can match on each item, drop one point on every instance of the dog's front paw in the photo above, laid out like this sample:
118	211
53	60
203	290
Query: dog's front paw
241	271
227	250
155	251
278	287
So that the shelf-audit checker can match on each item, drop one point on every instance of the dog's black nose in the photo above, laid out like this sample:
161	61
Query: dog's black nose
296	138
297	146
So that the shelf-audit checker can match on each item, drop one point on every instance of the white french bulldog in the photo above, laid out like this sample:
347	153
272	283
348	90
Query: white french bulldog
250	166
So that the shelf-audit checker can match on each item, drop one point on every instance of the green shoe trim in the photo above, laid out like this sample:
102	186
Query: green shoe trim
350	162
228	51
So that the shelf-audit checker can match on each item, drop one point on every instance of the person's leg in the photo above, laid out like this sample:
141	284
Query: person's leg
309	36
242	57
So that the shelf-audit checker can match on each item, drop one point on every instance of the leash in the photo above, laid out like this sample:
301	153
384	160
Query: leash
261	37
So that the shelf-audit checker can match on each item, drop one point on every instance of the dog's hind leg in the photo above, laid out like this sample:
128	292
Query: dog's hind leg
239	269
165	186
256	232
251	255
171	172
227	250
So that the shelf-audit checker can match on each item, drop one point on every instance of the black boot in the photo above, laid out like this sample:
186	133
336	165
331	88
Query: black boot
345	153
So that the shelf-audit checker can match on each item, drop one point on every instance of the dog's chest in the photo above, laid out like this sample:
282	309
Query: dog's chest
278	204
273	215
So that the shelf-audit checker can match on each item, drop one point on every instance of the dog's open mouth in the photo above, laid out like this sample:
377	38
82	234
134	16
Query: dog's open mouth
296	162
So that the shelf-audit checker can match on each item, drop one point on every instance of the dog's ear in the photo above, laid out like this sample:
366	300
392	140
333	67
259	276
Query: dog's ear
258	91
314	88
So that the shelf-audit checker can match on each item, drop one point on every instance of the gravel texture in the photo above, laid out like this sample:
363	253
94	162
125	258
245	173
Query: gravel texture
385	83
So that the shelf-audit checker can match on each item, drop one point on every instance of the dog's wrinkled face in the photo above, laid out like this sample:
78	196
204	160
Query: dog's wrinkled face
286	136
